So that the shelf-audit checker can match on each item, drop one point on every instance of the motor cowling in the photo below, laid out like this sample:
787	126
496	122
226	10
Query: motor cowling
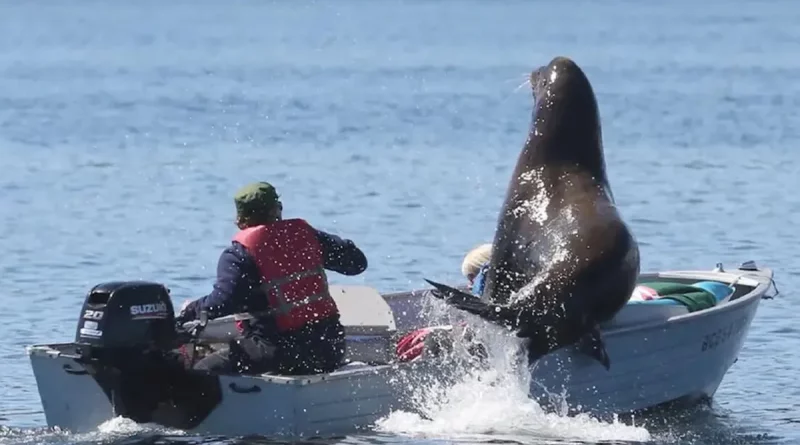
127	315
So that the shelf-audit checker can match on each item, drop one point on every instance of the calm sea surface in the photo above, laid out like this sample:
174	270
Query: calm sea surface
125	127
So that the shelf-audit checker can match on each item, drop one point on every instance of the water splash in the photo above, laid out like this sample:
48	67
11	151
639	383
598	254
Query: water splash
494	400
120	426
552	256
535	207
110	431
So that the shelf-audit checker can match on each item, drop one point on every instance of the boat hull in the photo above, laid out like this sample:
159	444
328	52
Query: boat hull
337	403
651	366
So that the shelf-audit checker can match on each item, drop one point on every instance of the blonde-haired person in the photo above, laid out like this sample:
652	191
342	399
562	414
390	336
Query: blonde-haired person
474	266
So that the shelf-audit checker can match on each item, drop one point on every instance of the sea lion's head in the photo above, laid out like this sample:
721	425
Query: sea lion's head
566	118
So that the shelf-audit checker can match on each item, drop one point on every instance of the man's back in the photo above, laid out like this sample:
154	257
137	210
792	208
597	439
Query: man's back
272	279
290	342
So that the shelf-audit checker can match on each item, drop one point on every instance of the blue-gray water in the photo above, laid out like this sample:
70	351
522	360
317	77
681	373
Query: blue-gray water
126	126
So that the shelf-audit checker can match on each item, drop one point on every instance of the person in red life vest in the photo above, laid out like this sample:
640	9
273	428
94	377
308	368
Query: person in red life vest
272	278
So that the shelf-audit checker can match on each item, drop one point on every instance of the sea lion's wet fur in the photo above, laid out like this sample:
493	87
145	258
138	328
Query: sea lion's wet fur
563	260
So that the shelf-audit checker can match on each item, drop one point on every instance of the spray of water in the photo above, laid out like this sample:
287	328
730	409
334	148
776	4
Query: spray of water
493	400
120	426
110	431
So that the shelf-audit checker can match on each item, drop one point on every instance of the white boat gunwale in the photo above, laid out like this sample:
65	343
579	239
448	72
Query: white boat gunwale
759	288
54	351
758	280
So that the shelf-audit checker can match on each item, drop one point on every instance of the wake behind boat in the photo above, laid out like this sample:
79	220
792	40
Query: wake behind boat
664	350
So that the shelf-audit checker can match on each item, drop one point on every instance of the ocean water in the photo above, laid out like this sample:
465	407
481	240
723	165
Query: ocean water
125	127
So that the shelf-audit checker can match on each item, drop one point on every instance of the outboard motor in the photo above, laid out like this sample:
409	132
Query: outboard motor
127	315
126	339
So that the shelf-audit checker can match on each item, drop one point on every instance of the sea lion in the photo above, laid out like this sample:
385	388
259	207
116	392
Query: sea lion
563	260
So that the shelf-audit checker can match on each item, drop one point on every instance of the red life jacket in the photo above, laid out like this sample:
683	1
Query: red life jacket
290	260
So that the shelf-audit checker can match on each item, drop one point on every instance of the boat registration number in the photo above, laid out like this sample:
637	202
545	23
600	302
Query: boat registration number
723	334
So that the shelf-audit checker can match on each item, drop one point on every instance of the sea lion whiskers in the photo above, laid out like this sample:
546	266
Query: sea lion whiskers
525	82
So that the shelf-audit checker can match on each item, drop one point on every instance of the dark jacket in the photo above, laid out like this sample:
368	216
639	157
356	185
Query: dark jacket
238	278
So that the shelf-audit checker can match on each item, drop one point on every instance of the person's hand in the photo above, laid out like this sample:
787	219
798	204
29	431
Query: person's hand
180	318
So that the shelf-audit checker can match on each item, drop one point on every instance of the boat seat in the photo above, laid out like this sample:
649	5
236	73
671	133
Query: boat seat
642	312
363	310
369	323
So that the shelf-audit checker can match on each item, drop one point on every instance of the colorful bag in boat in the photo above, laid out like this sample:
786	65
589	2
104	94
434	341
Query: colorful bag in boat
412	344
438	340
289	258
695	297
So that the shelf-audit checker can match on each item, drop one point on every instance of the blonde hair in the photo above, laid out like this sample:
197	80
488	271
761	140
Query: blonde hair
476	258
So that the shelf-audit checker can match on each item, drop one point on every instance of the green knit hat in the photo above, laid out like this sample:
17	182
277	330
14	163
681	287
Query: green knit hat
255	200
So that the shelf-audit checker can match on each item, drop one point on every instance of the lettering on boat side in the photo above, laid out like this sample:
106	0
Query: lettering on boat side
723	334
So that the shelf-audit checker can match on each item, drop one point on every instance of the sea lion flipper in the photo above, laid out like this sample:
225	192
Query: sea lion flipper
592	345
445	291
456	297
472	304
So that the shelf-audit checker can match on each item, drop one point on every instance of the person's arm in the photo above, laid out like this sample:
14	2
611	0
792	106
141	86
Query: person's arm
341	255
235	281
